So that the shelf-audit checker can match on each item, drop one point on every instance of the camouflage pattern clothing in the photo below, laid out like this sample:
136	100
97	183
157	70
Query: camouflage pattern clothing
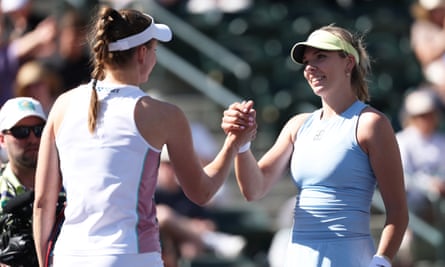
10	186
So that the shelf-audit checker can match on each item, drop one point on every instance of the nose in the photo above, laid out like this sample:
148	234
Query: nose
33	137
310	68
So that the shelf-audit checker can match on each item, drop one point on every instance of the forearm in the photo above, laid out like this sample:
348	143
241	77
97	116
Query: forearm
216	172
392	235
43	222
249	176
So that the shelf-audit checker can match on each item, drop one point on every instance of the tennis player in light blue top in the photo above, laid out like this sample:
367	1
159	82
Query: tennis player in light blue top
337	156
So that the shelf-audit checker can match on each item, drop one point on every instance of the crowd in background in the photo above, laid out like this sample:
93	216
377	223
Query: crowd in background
42	56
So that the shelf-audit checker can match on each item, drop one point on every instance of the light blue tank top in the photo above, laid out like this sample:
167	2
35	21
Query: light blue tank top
334	178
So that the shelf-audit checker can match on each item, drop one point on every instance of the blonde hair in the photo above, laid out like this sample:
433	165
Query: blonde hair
360	72
111	25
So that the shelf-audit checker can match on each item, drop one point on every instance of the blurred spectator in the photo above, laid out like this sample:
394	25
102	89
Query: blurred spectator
19	17
422	148
187	238
187	226
225	6
71	57
40	82
428	40
119	4
168	189
14	53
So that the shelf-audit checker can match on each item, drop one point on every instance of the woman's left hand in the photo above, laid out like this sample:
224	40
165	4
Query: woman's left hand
238	116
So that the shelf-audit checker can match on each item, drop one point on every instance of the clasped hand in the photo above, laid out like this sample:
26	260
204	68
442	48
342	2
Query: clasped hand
239	121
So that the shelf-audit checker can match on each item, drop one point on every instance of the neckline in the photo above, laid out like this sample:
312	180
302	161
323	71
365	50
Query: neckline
336	115
107	86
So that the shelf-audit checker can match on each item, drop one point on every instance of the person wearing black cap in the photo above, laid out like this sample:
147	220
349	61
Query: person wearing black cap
336	155
103	140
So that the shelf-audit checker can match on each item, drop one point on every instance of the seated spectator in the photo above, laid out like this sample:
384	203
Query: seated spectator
21	124
422	148
40	82
186	226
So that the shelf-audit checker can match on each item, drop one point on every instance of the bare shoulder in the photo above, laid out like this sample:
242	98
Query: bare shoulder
63	99
157	120
59	107
161	108
293	124
374	128
371	118
297	120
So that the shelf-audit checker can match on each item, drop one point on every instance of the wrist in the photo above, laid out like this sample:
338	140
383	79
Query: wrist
244	148
380	260
385	257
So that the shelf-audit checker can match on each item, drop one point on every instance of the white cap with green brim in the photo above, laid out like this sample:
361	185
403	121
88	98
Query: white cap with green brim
16	109
323	40
156	31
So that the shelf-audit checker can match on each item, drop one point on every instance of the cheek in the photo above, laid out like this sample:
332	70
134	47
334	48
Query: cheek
153	60
305	74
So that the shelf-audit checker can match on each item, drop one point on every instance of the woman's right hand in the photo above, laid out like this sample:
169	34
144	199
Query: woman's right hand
238	116
239	120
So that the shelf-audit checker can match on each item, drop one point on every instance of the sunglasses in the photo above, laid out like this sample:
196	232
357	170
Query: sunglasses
22	132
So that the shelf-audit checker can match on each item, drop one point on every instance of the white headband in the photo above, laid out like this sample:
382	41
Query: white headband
159	32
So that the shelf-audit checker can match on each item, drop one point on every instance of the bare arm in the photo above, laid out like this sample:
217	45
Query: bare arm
41	36
47	187
199	184
376	136
255	179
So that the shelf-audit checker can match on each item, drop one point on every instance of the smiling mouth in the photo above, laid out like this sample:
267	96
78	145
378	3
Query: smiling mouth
317	79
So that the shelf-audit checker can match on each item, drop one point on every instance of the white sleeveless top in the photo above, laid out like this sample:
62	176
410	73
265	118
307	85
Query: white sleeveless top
109	177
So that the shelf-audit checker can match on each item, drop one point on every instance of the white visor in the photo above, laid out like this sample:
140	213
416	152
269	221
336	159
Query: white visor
159	32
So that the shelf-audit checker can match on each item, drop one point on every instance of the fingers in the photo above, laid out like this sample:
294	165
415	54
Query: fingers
238	116
242	137
248	106
244	106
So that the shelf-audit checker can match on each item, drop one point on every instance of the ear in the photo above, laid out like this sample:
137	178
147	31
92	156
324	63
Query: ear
350	64
141	54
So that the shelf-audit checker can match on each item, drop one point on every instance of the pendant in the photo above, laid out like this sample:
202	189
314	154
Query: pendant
318	135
